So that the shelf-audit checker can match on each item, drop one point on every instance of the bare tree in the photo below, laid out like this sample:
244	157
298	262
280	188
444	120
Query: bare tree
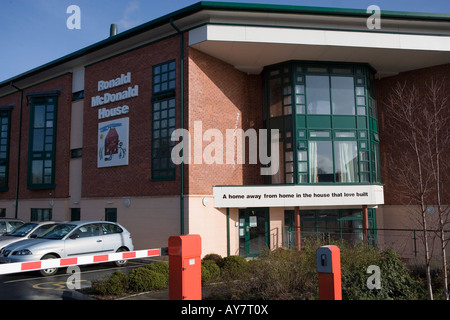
418	158
439	136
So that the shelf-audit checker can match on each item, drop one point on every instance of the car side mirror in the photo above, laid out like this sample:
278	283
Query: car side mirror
74	236
33	236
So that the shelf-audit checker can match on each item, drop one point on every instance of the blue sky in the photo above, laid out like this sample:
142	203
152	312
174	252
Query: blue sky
34	32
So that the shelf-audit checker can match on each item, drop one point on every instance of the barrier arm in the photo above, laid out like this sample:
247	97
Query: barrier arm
16	267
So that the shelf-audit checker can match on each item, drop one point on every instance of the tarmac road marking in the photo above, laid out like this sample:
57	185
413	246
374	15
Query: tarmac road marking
53	285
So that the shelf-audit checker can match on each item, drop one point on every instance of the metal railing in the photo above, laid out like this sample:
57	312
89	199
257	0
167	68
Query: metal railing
408	243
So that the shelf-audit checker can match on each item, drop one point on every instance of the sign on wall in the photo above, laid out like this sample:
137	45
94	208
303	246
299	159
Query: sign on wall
113	143
298	195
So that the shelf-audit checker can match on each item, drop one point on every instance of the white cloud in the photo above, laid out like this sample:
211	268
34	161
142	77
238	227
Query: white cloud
127	20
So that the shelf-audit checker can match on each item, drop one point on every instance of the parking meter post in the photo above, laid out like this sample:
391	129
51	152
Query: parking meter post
328	261
185	275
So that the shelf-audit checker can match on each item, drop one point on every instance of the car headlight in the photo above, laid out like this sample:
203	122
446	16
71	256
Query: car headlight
24	252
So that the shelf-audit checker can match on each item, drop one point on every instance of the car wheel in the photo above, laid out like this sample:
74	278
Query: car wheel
121	263
49	271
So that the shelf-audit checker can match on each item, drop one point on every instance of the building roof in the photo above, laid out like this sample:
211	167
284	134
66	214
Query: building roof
203	13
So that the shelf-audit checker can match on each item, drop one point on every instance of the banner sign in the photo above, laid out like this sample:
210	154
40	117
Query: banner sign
113	143
297	195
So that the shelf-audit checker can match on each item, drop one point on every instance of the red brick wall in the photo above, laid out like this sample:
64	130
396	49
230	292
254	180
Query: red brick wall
134	179
63	83
14	100
221	97
419	78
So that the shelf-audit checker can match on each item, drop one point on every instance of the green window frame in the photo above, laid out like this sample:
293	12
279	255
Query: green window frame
163	125
41	214
42	142
313	102
5	131
163	120
164	77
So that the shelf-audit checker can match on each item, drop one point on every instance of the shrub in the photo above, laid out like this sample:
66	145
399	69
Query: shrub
206	275
281	274
214	257
289	274
143	279
115	284
212	271
234	267
396	280
160	267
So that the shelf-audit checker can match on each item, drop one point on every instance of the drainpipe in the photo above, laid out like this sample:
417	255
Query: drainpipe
182	122
18	150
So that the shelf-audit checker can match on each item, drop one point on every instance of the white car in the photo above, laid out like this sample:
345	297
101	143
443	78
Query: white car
25	231
71	239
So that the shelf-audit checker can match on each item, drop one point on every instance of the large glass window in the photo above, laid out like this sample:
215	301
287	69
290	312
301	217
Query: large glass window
343	97
321	161
163	127
163	124
5	127
346	161
41	167
326	115
318	94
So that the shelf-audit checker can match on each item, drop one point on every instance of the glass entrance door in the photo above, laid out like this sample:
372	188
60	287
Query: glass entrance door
253	231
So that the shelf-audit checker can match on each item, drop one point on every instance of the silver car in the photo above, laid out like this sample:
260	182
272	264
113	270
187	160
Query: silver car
25	231
8	225
71	239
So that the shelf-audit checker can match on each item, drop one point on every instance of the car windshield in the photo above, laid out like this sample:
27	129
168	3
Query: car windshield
58	231
23	230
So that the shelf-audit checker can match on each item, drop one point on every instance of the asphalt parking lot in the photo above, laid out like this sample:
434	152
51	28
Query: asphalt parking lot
62	286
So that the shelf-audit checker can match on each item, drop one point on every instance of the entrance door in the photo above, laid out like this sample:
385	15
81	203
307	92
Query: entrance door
253	231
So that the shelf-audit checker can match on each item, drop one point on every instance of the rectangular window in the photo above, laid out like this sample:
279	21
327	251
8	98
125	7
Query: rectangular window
275	98
342	95
75	214
163	120
346	161
163	125
111	214
320	161
41	214
318	94
41	165
164	77
5	128
2	213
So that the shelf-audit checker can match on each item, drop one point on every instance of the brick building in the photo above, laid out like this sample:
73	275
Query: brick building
299	85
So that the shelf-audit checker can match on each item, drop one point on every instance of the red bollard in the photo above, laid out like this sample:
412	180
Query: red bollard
185	271
328	260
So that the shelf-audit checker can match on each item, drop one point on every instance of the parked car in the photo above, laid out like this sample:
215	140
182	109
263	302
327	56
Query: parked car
8	225
71	239
25	231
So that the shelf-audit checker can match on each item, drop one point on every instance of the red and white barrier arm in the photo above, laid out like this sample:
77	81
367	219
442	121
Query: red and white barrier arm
16	267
